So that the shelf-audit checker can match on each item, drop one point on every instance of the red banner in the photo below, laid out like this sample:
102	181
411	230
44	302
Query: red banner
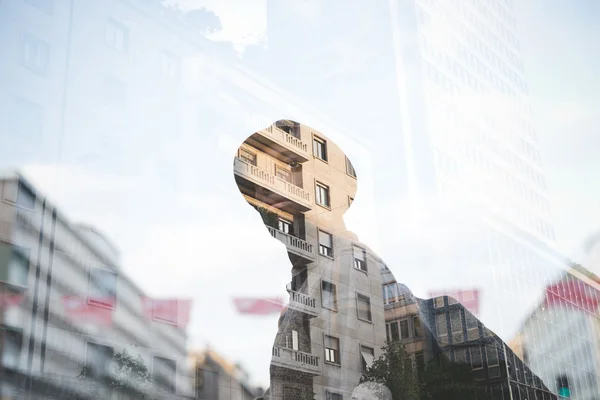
8	300
573	293
80	310
468	298
259	306
170	311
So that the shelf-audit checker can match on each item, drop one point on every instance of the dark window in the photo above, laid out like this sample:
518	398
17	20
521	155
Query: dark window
248	156
456	326
420	360
333	396
320	148
322	195
367	355
14	264
35	54
418	331
27	119
25	197
332	349
394	332
10	347
363	307
360	260
349	168
329	295
325	244
98	360
164	372
117	36
46	6
404	332
103	287
476	361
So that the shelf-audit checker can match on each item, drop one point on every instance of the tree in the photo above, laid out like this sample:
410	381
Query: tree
394	368
130	374
204	20
445	380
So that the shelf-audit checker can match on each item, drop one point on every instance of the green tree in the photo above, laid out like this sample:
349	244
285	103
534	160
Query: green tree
394	368
130	374
269	217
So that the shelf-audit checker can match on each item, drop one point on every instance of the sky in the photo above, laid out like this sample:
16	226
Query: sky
183	250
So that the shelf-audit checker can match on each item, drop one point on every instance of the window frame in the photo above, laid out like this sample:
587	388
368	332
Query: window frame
246	160
480	357
87	358
96	302
117	26
279	168
363	363
174	61
419	324
331	255
370	312
402	337
284	222
329	395
317	140
37	45
350	171
335	296
336	352
173	388
356	262
327	191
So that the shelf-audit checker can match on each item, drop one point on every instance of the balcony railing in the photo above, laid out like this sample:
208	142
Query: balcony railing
303	303
296	360
288	141
293	244
272	182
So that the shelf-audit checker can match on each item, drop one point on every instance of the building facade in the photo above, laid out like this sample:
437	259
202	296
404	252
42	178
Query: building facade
559	340
333	327
70	314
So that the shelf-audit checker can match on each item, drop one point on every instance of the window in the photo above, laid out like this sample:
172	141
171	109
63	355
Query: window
390	293
164	372
329	295
417	328
294	344
14	264
46	6
35	54
360	261
420	360
322	195
492	355
98	360
452	299
10	347
456	326
349	168
332	349
115	91
284	174
476	361
363	307
325	244
27	119
285	226
394	332
103	287
333	396
438	302
169	65
25	197
404	332
442	330
472	327
116	36
247	156
320	148
367	355
460	355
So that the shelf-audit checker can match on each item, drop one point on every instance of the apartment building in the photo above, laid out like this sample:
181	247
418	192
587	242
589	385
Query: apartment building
333	327
218	379
559	340
76	312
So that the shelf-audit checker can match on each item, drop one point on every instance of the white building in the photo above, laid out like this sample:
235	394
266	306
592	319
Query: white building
45	258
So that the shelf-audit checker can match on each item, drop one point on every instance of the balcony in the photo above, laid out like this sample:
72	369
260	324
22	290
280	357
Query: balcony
270	189
303	303
295	246
296	360
280	144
